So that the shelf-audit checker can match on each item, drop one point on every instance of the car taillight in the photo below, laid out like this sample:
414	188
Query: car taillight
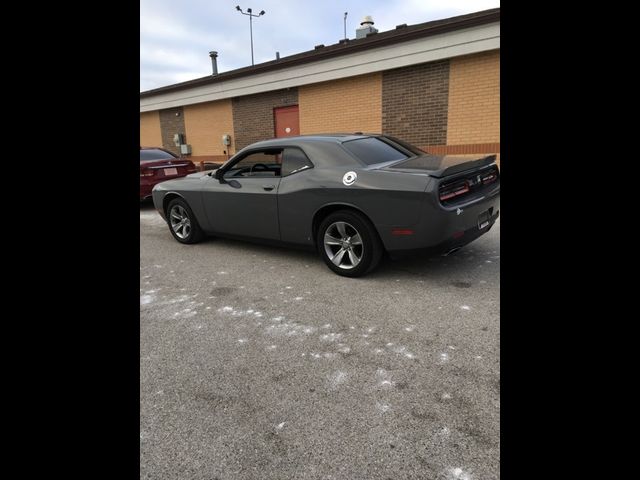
450	191
489	178
146	173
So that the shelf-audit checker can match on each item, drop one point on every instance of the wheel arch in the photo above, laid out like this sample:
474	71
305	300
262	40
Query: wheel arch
167	199
326	210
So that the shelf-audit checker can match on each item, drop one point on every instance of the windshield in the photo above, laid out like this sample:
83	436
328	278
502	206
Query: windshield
155	154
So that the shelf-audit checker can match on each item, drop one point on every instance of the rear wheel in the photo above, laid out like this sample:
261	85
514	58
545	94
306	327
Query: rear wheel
182	222
349	243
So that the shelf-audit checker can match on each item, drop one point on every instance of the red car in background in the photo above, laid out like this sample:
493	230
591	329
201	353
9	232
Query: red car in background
158	165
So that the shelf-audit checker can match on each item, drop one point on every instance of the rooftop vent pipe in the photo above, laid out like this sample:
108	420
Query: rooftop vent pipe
214	62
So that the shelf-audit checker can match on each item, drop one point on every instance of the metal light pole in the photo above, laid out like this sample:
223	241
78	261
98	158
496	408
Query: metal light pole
251	15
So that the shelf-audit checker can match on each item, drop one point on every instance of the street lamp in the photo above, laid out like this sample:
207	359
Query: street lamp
251	15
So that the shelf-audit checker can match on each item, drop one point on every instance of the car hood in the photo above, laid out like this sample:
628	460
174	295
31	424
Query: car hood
199	174
440	165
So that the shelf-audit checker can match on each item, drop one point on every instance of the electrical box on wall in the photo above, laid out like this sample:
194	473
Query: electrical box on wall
185	149
226	139
178	139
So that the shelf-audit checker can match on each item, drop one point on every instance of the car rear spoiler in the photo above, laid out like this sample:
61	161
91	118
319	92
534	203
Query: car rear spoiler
442	165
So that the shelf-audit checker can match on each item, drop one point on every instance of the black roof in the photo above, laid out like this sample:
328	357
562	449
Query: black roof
401	33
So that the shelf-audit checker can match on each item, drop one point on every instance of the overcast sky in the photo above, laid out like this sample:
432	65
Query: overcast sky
177	35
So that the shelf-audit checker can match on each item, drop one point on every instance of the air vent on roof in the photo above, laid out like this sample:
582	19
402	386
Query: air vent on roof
398	27
371	34
366	27
318	47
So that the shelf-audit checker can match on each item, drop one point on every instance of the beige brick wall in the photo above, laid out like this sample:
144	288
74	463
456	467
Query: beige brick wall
150	135
346	105
205	123
474	99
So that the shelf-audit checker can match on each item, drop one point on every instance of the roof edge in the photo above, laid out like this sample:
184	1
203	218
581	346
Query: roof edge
388	37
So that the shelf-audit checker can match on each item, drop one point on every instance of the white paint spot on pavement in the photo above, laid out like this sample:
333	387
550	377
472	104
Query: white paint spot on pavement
326	325
446	396
458	474
298	298
330	337
146	299
222	273
272	347
242	340
337	378
444	357
280	426
451	347
409	329
465	307
288	287
226	309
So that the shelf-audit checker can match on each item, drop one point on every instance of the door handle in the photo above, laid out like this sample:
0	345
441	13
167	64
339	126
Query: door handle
268	188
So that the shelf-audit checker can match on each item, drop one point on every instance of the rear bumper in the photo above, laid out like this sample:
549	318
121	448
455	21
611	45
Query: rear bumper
444	228
146	186
450	244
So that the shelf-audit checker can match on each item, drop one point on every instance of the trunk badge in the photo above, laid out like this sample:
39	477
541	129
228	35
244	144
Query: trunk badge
459	211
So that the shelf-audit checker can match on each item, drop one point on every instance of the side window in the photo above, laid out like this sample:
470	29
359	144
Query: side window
294	160
264	163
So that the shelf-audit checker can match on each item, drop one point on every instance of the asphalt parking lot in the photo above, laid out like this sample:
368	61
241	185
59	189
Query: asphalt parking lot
258	362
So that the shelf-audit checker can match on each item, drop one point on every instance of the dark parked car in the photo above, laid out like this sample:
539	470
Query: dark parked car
351	197
158	165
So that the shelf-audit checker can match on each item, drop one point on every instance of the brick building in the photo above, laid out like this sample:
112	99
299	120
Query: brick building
435	84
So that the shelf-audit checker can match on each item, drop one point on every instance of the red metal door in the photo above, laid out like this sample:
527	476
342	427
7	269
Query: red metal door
287	121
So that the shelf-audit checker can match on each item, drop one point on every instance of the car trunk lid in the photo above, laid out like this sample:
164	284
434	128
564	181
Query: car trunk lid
166	168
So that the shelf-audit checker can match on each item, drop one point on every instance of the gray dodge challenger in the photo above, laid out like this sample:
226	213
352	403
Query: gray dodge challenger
350	196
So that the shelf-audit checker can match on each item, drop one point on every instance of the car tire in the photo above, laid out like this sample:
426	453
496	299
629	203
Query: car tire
186	228
349	243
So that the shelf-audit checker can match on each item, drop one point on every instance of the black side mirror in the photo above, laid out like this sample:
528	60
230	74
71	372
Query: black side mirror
218	174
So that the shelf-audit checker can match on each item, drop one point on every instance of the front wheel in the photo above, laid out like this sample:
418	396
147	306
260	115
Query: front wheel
349	243
182	222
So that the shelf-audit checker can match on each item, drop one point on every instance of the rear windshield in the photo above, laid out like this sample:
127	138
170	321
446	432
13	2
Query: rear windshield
155	154
372	150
